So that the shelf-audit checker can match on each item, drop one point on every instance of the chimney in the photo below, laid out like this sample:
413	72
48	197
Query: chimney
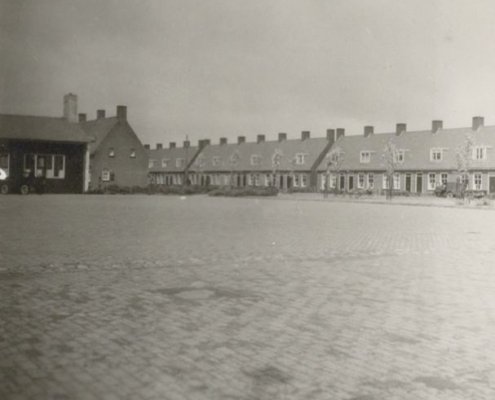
159	146
368	130
100	114
260	138
147	146
305	135
70	107
241	139
400	128
171	145
82	117
282	136
203	143
223	140
331	135
122	113
436	125
186	144
478	122
340	133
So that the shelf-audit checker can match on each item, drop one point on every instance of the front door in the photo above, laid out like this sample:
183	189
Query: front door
351	182
342	182
408	182
419	183
492	184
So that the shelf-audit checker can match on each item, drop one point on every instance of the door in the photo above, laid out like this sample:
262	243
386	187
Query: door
342	182
492	184
419	183
408	182
351	182
289	182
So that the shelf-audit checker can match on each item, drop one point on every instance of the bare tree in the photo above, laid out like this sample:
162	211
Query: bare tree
233	162
390	159
464	156
335	160
276	160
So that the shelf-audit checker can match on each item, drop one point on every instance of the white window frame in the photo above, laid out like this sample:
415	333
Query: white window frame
132	154
396	181
444	177
477	175
300	158
480	153
432	184
50	173
151	163
165	162
365	157
105	175
295	182
111	152
333	181
400	156
255	159
360	181
215	161
434	152
371	182
304	180
385	182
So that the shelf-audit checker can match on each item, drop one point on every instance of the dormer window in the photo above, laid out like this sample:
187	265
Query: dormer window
215	161
436	155
165	162
399	156
365	157
111	152
479	153
132	154
151	163
255	159
300	158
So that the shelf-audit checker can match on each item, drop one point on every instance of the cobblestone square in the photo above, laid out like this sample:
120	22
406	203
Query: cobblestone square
155	297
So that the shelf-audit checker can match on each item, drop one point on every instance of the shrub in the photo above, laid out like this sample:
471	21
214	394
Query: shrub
244	191
301	190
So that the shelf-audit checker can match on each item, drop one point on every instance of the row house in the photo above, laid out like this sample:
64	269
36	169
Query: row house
422	160
284	163
168	166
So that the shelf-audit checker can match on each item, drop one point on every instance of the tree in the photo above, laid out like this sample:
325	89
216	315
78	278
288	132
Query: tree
390	158
464	156
233	162
335	160
276	160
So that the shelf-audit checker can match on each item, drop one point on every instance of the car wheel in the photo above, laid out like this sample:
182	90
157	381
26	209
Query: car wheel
24	189
4	188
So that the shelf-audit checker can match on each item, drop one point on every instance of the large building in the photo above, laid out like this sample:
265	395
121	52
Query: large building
422	160
117	156
51	150
284	163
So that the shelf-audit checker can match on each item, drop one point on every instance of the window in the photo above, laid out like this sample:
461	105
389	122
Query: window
255	159
364	157
400	156
360	184
304	180
4	163
371	181
385	183
300	158
165	162
432	181
132	154
436	155
105	175
50	166
443	179
179	162
151	163
296	180
333	181
111	152
215	161
396	182
477	183
479	153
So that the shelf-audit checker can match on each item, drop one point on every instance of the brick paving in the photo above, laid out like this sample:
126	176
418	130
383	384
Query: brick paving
150	297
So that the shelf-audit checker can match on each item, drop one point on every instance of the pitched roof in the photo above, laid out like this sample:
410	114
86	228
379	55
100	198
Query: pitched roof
416	146
171	154
99	129
54	129
218	157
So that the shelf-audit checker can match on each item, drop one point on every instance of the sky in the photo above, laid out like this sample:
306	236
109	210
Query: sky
224	68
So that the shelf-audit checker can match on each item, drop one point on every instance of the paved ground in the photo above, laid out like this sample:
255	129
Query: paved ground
137	297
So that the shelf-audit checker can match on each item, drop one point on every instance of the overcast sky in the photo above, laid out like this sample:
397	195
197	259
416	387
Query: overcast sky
216	68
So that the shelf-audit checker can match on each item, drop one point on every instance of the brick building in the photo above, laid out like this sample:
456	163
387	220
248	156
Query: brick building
423	160
117	156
